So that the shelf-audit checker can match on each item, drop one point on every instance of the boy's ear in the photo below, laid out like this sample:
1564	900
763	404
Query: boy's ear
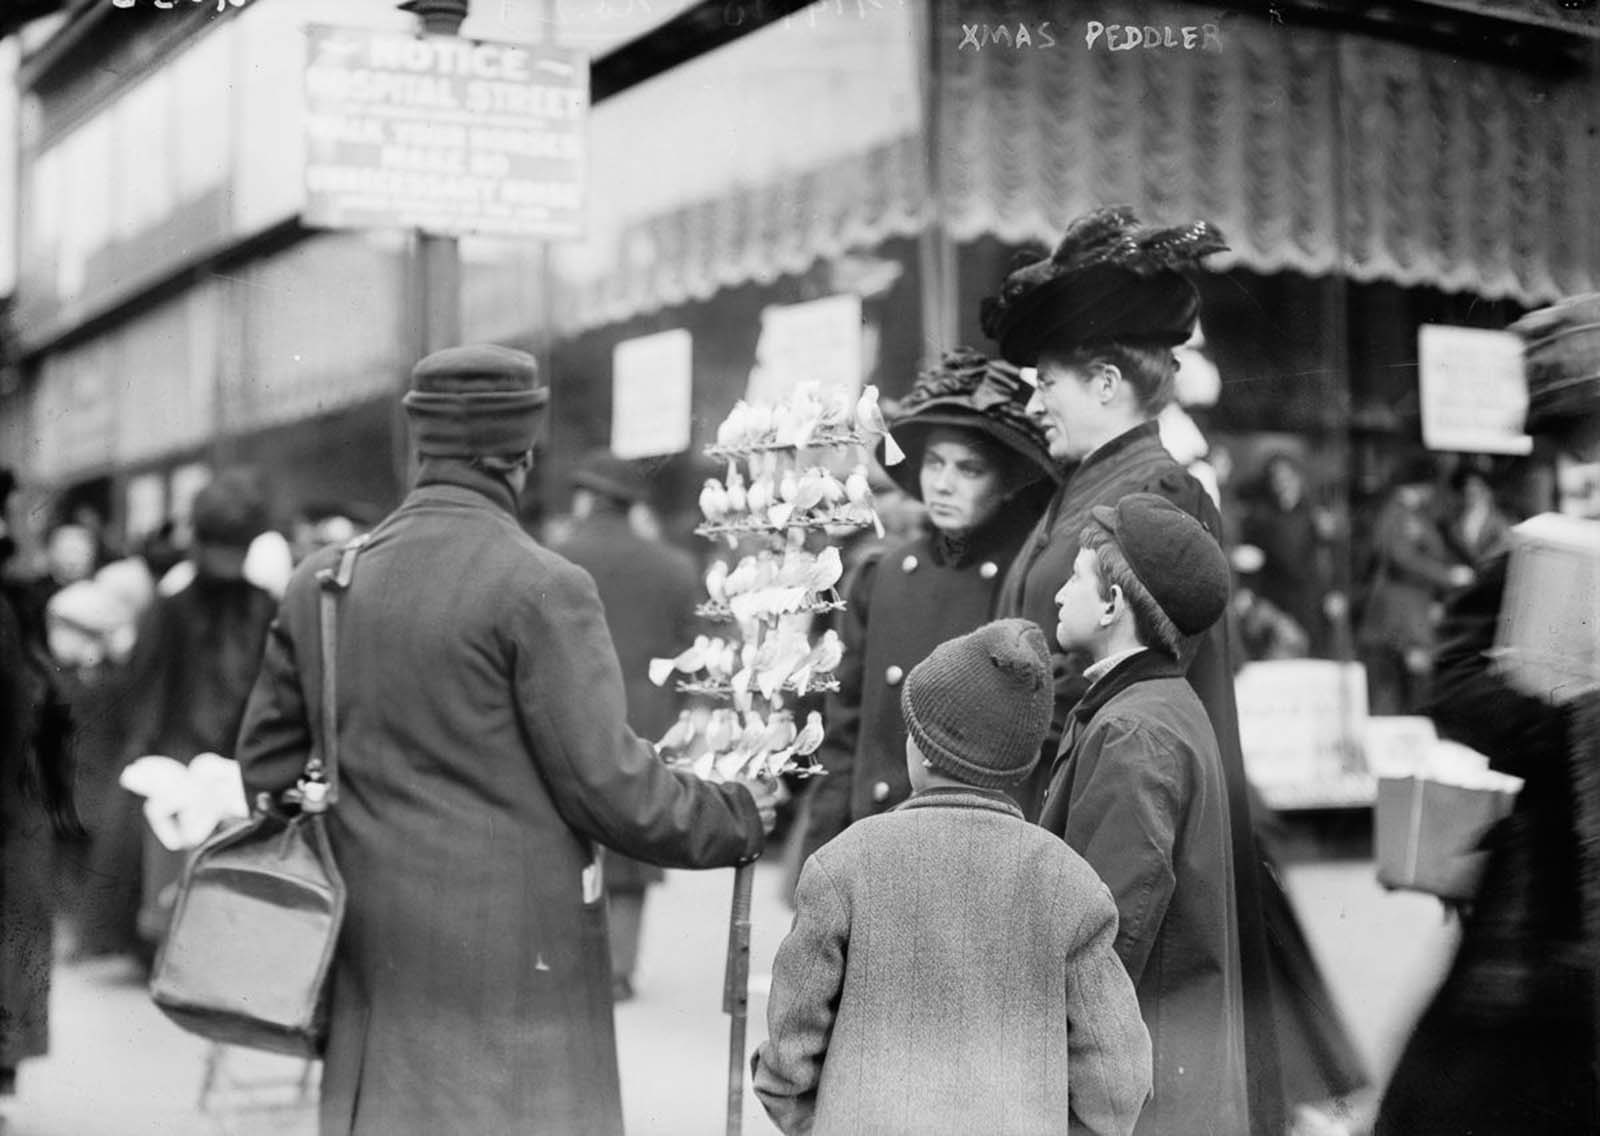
1116	604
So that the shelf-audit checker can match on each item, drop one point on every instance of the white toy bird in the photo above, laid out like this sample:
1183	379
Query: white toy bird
869	418
809	740
736	493
713	500
717	582
679	736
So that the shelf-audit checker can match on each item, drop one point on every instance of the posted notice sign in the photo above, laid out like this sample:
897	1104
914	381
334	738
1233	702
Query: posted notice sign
443	134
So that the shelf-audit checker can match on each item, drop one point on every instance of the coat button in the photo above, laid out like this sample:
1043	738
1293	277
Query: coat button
988	569
893	675
880	792
909	564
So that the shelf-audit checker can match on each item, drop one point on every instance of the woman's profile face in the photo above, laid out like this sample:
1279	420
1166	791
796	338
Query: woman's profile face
961	486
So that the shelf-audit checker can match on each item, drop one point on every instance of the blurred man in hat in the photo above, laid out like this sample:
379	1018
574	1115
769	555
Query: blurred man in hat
484	753
195	659
1509	1043
648	590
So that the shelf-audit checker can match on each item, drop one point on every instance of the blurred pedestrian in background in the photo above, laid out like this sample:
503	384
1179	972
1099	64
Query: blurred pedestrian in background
1476	528
327	524
648	590
1509	1043
195	661
483	753
1098	319
1412	570
1295	537
36	807
979	467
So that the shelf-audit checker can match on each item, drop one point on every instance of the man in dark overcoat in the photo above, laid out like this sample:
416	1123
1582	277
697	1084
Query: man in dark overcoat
648	589
483	754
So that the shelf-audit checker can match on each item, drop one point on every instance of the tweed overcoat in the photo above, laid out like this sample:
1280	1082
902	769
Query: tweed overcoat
649	590
1139	793
950	971
1136	462
483	747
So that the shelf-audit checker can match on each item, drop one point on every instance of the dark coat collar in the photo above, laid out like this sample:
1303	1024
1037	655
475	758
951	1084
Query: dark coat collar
991	800
1144	666
1127	440
437	472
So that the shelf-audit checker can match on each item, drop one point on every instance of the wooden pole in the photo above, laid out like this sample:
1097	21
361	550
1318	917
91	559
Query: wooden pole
736	992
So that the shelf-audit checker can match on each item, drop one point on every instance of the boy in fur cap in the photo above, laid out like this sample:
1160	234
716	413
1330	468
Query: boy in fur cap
951	969
1138	790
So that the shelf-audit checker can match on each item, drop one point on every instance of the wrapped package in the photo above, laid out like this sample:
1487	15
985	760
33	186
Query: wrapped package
1429	825
1548	641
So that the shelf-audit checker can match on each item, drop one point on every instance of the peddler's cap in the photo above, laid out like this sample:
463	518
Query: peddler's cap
481	400
1110	279
1180	568
603	472
979	706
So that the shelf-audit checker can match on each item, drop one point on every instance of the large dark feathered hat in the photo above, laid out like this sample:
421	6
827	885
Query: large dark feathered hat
971	391
1561	357
1109	279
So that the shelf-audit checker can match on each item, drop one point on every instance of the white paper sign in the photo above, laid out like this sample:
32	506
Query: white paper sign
1474	395
652	394
817	342
1301	725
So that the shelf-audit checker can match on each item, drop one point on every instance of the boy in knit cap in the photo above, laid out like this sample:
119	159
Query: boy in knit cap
951	967
1138	790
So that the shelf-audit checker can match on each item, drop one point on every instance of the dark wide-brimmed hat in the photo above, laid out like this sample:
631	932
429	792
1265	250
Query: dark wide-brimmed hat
481	400
969	391
603	472
1109	280
1561	357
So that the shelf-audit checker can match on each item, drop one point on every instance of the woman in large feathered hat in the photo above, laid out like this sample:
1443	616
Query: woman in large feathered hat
1098	320
978	464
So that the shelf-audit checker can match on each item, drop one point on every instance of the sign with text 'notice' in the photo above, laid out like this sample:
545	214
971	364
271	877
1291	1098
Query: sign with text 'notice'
445	135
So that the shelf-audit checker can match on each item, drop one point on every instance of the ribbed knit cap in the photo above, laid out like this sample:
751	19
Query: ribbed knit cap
481	400
979	706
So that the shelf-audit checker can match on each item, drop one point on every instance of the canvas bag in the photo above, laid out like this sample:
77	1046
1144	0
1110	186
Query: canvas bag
250	947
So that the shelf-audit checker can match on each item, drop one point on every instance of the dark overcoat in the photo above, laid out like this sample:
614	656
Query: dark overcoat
1132	463
483	748
1508	1044
649	590
900	604
1138	791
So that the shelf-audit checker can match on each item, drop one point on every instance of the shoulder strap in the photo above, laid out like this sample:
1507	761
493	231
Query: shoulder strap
323	764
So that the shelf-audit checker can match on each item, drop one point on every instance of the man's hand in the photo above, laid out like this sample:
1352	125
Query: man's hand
765	792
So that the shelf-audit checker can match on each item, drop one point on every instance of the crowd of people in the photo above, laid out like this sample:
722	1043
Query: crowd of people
1035	894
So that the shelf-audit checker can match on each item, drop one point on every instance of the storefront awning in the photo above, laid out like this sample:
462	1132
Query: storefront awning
1313	150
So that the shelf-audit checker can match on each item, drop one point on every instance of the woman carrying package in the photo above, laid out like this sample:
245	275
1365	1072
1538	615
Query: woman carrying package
1509	1043
978	464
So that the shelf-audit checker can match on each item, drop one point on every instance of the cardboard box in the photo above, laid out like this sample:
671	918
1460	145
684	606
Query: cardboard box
1427	834
1548	640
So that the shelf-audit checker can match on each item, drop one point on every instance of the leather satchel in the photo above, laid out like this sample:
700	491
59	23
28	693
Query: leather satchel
249	951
